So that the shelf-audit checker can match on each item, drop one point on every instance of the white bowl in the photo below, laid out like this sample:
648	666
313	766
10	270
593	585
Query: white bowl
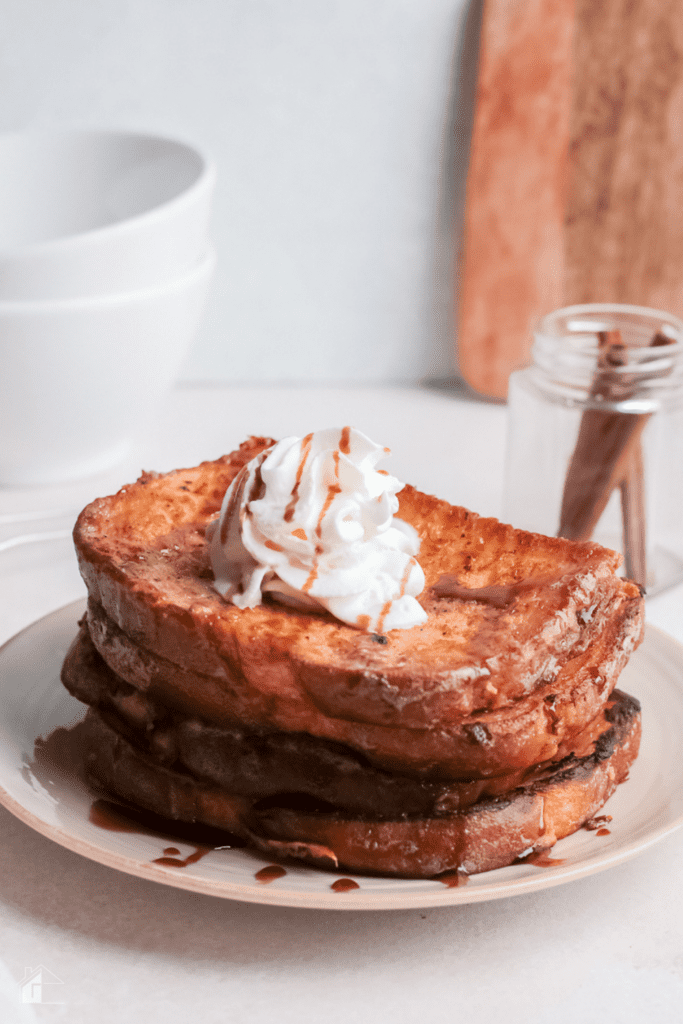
80	378
87	213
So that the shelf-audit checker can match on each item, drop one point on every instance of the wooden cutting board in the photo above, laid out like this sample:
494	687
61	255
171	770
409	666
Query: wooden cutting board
575	184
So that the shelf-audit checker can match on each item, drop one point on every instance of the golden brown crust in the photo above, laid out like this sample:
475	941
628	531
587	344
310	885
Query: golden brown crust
267	763
490	834
143	555
537	728
513	670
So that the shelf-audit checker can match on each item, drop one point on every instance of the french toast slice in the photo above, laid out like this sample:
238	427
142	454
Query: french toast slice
488	834
543	726
263	764
508	613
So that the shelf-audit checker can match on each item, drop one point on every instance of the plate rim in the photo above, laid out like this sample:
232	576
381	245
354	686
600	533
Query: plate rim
354	899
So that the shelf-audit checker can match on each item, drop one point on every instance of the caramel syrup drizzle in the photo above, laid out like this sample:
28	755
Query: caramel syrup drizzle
387	606
291	504
332	491
344	885
238	486
176	862
257	487
269	874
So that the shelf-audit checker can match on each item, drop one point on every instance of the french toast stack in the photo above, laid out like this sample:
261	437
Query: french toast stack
487	733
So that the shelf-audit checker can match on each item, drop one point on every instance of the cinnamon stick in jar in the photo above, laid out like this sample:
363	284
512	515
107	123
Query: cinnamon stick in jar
608	454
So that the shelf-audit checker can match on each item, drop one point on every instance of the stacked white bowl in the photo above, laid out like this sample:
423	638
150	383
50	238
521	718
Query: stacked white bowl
105	265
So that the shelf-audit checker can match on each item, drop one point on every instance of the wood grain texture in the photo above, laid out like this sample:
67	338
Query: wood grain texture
512	270
624	230
575	186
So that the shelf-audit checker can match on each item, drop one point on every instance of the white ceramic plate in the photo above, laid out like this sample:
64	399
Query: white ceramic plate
57	804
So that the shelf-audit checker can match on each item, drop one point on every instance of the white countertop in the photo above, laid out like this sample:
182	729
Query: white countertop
608	947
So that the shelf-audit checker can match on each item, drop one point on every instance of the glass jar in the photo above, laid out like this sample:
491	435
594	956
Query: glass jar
595	436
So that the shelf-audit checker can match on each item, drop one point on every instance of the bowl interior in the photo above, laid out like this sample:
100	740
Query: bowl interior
54	185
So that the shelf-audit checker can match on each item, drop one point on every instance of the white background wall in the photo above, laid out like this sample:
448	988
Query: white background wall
332	123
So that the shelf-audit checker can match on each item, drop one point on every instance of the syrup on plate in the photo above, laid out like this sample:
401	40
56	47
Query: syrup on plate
344	885
116	817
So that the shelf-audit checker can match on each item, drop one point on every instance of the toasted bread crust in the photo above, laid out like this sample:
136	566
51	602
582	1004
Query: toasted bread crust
265	763
144	558
457	745
537	728
489	834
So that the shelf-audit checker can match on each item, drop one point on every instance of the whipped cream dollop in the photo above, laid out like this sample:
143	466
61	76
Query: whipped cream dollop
311	522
